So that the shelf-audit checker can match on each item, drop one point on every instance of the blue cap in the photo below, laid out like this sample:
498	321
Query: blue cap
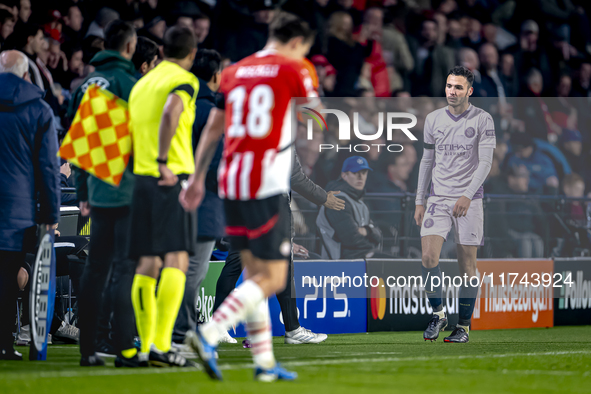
355	164
571	135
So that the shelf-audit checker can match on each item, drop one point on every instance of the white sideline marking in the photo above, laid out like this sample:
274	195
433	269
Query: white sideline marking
303	363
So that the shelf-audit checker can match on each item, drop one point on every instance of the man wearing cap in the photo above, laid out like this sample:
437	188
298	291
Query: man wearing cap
349	234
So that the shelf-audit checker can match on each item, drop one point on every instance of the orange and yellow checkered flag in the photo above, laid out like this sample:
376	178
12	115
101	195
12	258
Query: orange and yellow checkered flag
99	140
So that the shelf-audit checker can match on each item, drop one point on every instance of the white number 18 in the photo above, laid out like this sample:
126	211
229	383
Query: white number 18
260	104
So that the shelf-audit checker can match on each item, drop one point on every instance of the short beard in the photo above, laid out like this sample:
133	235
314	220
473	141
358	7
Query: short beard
459	103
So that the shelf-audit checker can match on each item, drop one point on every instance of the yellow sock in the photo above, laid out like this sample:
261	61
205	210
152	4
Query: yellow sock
143	298
170	295
129	353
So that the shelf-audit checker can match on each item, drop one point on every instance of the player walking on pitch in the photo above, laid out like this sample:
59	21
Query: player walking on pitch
253	175
459	141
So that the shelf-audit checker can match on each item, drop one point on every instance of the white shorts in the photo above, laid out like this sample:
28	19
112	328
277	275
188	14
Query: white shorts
438	220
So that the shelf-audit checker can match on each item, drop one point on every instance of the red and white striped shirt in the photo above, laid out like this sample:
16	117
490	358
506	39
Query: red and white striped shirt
258	92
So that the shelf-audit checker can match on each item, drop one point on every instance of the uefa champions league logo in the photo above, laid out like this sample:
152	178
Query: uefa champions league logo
469	132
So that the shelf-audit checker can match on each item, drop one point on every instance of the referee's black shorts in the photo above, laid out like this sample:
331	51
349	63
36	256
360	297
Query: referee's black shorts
261	226
159	224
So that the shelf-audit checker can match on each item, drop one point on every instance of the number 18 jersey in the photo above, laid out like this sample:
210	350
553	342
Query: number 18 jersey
256	163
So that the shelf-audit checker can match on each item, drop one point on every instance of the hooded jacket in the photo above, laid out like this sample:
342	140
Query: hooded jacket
117	75
339	230
210	215
29	169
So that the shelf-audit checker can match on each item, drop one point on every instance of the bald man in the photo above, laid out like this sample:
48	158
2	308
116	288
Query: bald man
29	176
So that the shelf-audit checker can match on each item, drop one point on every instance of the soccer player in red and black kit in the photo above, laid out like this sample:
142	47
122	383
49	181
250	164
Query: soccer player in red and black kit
254	173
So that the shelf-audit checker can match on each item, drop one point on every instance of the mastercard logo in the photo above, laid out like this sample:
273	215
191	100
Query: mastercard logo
378	300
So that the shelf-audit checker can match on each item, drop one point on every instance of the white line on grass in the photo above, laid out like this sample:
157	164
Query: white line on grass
303	363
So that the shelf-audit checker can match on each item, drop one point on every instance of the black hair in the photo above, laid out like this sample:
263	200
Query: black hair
65	7
286	26
20	36
5	15
69	48
145	51
461	71
179	41
207	63
118	34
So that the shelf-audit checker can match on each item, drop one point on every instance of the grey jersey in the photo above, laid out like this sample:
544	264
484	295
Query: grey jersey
456	140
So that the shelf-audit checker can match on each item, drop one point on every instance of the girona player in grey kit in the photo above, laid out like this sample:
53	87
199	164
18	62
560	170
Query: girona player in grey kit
459	142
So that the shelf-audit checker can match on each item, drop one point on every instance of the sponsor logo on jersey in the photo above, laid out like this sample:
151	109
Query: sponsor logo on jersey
258	71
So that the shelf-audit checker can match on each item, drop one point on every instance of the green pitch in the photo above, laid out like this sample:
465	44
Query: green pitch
540	360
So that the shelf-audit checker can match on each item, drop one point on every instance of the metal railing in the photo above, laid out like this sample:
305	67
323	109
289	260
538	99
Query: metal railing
525	226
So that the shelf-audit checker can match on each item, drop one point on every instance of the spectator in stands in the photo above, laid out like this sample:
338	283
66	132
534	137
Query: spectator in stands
345	54
468	58
493	82
372	30
201	26
432	62
455	32
154	30
542	174
327	75
104	17
349	234
397	55
66	180
7	22
582	83
207	67
346	6
534	111
529	54
253	34
73	21
525	220
109	209
572	147
24	10
145	56
29	180
74	64
29	38
574	219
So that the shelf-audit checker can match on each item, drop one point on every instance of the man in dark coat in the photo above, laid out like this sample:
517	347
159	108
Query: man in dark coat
29	180
210	214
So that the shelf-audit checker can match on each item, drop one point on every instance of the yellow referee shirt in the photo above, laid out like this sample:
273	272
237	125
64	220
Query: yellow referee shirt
146	105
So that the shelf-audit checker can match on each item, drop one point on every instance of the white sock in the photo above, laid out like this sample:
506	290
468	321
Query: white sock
239	304
258	326
441	314
466	328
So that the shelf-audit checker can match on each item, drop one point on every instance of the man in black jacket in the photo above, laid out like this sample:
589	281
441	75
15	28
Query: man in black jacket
210	214
294	333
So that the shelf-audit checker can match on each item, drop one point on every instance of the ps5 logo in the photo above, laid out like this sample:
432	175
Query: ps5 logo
336	295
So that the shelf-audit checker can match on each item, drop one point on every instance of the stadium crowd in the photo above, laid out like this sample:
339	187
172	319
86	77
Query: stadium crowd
532	73
364	48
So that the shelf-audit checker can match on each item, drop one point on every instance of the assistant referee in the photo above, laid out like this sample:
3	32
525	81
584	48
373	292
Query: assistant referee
162	112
